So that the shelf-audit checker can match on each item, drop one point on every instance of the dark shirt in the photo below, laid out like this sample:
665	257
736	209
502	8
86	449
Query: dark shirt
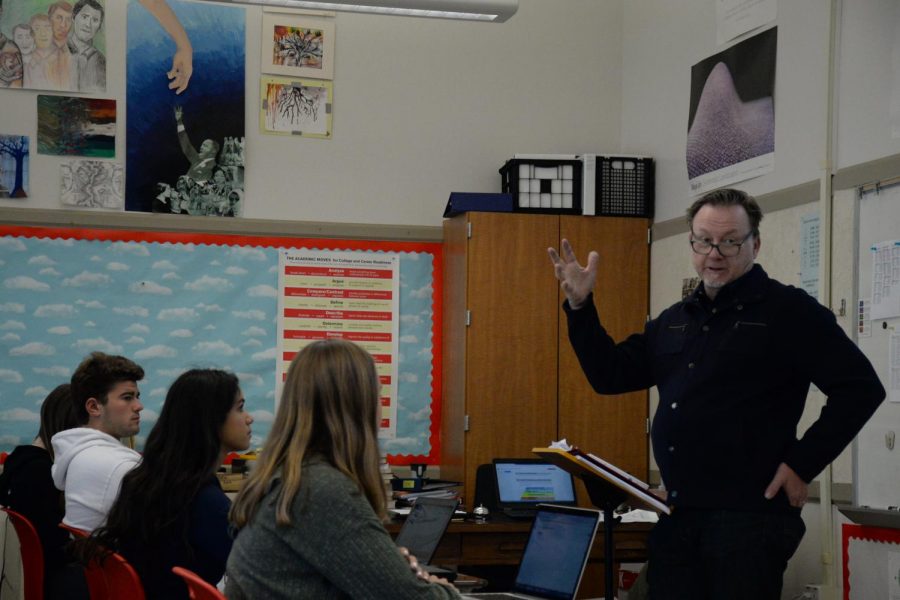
209	543
27	488
733	374
89	67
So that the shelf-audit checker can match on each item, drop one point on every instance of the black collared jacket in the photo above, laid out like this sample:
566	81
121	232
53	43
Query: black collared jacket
733	375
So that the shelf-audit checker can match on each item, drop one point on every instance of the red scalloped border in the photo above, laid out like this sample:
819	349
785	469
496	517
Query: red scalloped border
436	249
862	532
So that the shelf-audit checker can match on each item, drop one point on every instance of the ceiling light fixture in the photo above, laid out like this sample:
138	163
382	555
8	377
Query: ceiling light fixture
490	11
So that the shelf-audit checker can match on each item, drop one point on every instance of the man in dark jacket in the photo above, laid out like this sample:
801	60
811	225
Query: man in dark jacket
733	364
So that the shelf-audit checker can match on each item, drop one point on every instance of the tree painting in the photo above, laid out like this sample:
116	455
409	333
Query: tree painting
297	102
296	47
14	158
296	107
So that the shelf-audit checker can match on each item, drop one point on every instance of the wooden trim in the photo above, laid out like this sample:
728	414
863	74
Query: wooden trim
216	225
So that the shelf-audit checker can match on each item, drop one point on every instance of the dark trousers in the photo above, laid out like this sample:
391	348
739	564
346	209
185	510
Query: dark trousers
721	554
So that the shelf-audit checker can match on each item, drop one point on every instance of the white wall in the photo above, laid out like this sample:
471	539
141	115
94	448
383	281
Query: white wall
867	74
422	107
662	40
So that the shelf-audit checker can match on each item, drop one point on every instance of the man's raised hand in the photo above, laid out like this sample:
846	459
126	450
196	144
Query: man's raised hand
576	281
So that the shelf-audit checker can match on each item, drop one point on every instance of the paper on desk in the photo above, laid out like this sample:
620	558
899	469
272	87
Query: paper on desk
640	516
561	445
637	515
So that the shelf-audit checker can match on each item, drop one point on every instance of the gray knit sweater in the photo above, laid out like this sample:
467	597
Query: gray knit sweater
335	547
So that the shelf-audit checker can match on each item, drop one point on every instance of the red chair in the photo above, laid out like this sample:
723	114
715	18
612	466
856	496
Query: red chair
122	580
198	588
76	533
96	580
109	578
32	555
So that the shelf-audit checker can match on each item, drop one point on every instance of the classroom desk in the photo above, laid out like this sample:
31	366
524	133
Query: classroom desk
499	543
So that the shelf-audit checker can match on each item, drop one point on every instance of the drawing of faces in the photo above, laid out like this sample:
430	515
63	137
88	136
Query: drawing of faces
24	39
61	20
43	32
87	23
219	176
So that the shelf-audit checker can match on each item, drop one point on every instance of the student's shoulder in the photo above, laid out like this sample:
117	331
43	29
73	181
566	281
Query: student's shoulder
108	456
211	494
324	487
323	476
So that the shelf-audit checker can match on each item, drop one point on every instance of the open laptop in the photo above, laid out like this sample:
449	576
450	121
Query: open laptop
423	529
555	556
523	483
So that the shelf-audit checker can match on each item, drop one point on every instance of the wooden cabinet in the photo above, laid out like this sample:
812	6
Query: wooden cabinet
510	379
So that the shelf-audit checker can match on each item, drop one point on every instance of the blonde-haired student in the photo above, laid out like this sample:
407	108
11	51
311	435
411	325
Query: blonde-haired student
310	517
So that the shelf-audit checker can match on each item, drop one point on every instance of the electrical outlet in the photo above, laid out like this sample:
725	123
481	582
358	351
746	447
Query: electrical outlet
813	592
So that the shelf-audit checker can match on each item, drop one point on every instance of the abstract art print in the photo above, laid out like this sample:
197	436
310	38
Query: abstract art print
13	166
297	46
92	184
731	124
53	45
296	107
185	152
76	126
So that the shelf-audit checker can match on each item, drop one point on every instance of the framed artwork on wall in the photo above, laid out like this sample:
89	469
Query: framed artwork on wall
296	107
297	46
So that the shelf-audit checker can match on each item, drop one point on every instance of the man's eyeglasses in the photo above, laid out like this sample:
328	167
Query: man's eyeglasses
726	248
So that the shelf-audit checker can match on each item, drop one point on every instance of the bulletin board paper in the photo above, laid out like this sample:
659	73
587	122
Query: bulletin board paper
869	562
173	301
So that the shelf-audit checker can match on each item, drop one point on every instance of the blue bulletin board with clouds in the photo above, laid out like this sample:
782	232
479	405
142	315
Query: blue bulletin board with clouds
174	301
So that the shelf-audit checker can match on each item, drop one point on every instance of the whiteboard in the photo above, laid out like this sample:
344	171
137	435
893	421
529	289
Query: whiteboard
877	481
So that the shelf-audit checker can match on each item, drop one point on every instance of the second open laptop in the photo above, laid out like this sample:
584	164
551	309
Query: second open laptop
555	556
523	483
423	529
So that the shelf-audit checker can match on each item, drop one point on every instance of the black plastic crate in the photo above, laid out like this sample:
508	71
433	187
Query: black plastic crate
625	186
543	184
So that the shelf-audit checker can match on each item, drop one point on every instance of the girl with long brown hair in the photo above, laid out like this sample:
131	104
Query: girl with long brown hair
309	518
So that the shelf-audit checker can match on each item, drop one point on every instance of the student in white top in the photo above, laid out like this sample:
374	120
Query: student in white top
91	460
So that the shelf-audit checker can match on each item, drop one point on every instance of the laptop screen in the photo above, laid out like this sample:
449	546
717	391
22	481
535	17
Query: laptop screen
527	482
557	552
425	526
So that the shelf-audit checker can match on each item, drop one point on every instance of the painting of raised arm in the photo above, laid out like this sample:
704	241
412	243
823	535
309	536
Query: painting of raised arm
183	59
